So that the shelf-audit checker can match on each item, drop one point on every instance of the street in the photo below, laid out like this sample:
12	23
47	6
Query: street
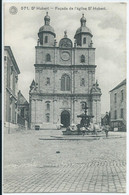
48	161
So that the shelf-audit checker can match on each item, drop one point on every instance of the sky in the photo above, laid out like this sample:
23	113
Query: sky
107	21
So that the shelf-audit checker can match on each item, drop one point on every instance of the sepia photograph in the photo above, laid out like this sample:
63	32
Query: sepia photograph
64	107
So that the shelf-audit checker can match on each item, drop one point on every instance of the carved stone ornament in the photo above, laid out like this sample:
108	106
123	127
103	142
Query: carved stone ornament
34	87
95	89
65	103
65	43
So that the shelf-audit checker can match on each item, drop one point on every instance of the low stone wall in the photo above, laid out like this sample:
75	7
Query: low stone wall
45	126
10	128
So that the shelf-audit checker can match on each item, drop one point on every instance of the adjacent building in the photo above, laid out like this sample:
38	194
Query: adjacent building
23	111
64	78
118	106
11	72
105	119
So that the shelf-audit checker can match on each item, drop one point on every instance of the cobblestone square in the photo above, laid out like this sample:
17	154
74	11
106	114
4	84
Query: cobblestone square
47	161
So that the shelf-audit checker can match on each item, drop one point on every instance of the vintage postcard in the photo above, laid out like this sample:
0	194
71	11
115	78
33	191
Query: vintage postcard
64	123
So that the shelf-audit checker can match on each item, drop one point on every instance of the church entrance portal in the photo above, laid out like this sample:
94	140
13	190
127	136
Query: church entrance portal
65	118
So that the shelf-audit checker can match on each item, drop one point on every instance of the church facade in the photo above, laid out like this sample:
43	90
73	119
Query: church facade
64	78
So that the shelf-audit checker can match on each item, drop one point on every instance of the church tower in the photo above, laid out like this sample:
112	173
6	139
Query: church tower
83	34
46	33
64	78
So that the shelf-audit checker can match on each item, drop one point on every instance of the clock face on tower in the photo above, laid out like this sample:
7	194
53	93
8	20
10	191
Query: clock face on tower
65	55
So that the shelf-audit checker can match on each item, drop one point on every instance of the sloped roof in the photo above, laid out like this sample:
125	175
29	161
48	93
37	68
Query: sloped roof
21	99
83	29
119	85
33	83
46	28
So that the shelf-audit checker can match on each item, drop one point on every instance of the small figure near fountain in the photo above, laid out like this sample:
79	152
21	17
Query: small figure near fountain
86	125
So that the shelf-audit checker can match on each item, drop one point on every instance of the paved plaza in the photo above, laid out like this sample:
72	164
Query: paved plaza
48	161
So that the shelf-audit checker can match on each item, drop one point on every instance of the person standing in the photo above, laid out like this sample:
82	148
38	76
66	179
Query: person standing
106	128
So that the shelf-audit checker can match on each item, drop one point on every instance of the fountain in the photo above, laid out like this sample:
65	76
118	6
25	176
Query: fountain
85	119
83	127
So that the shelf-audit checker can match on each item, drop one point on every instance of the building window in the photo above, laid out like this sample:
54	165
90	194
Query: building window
84	40
82	82
65	83
14	84
11	69
82	106
46	39
115	97
48	58
122	95
47	118
48	81
48	106
122	113
115	114
82	58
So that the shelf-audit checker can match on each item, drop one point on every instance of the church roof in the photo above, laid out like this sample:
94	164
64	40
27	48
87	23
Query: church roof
119	85
83	29
47	17
46	28
83	19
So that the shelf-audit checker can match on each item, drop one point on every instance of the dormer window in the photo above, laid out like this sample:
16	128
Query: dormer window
46	39
48	58
82	58
84	40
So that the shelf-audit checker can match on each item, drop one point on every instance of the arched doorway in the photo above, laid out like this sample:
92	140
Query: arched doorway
65	118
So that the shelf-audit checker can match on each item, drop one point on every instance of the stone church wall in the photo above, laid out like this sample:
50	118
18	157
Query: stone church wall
78	53
41	53
77	63
39	110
